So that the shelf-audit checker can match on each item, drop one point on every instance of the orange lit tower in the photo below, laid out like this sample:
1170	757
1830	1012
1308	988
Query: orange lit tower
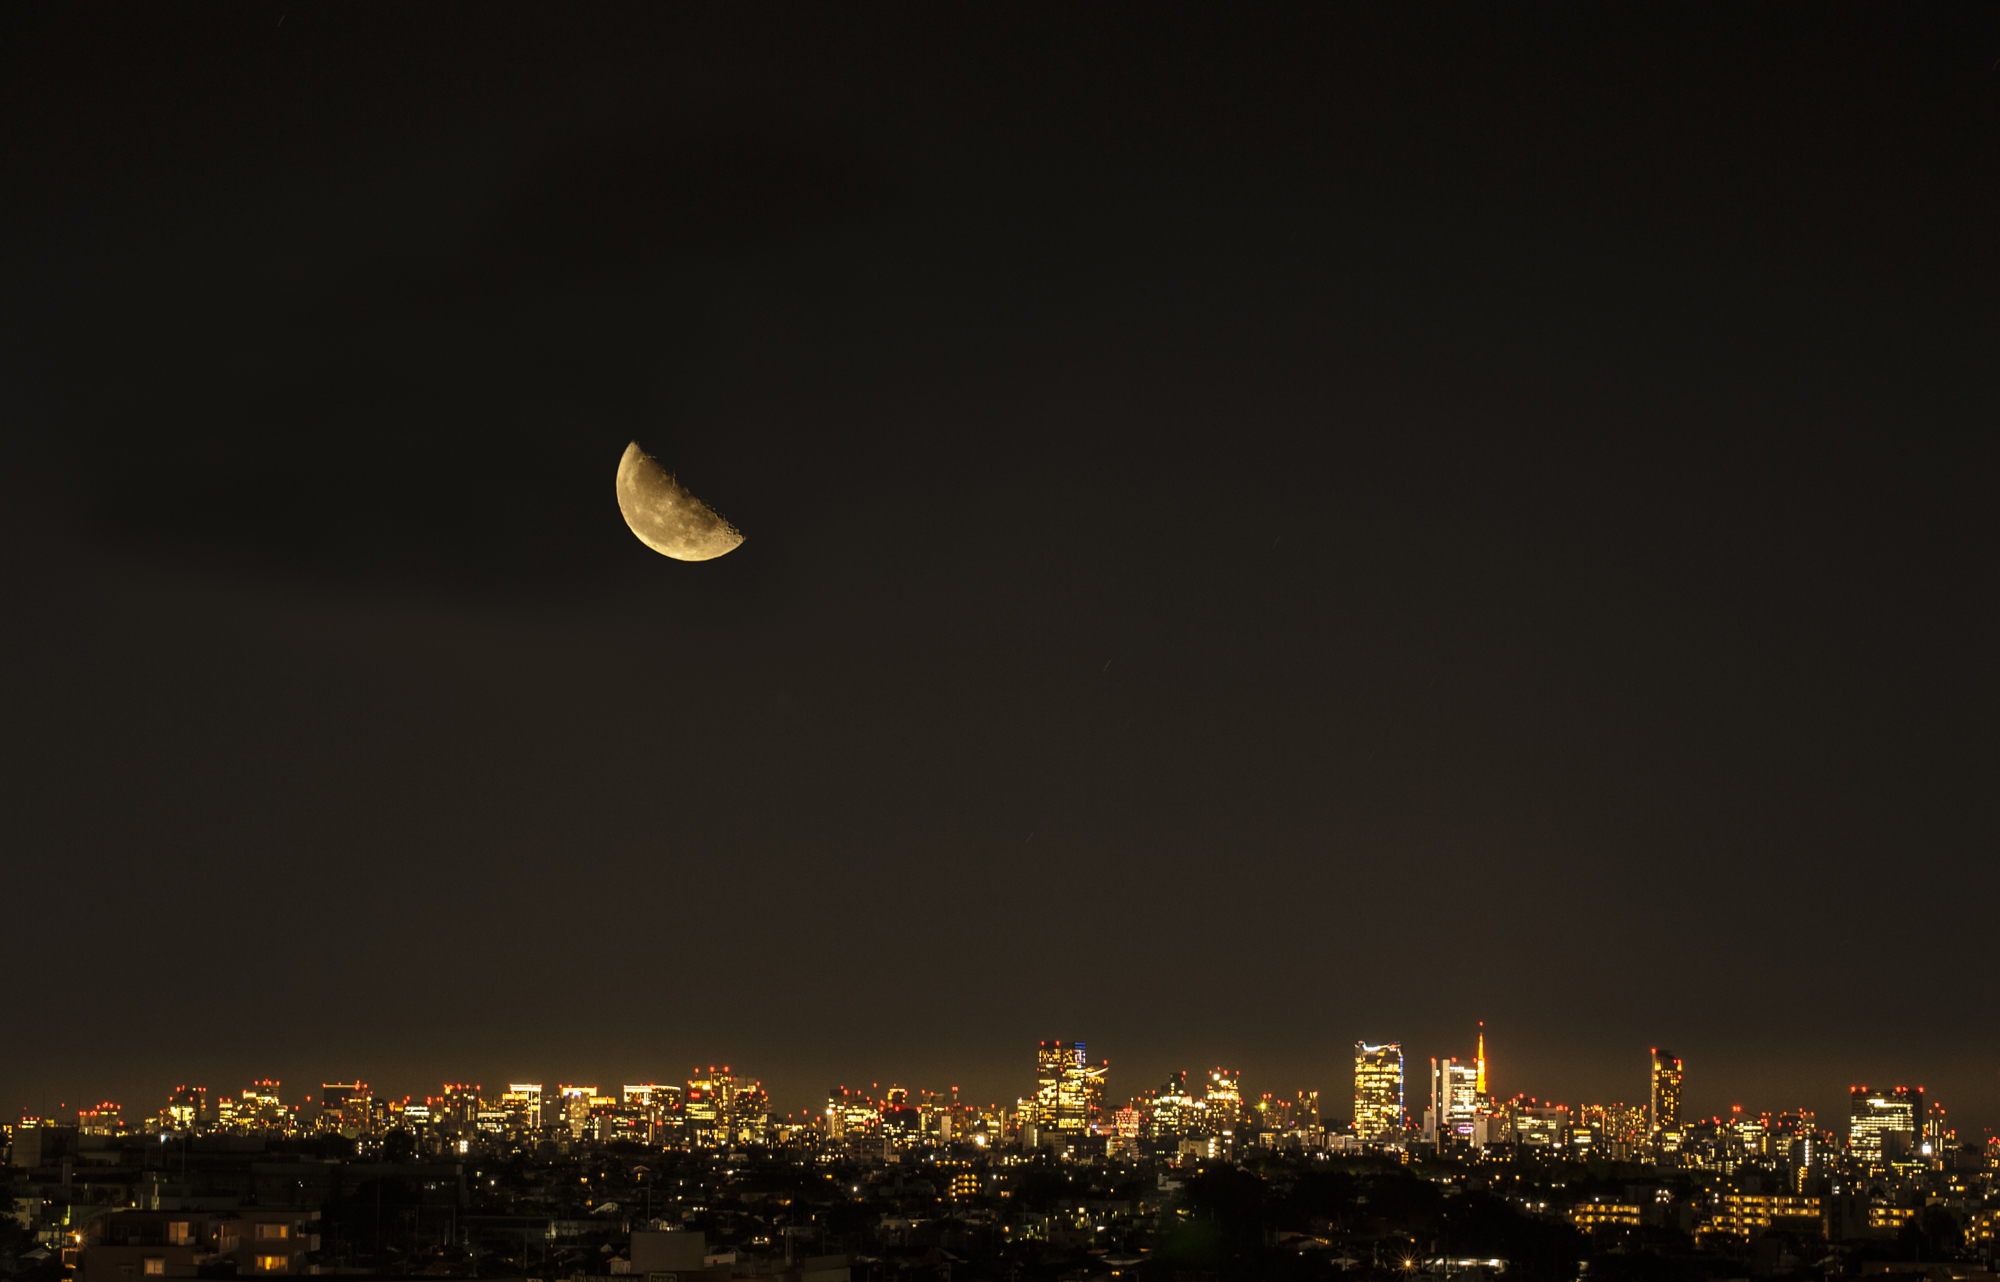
1480	1061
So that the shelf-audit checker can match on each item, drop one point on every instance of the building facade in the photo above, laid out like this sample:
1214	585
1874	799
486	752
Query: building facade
1378	1092
1663	1103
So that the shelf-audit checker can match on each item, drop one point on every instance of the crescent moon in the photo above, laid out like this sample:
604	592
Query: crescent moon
665	516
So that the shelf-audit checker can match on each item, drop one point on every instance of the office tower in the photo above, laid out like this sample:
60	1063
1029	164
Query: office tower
458	1108
522	1105
1795	1142
1298	1115
1882	1125
1378	1092
1175	1113
260	1107
703	1105
852	1117
1224	1099
749	1112
1663	1103
188	1108
347	1107
1068	1089
902	1121
1455	1098
576	1109
1938	1138
721	1108
1745	1136
1127	1124
654	1110
1539	1125
1305	1113
106	1119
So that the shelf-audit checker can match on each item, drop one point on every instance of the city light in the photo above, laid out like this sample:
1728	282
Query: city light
1728	1181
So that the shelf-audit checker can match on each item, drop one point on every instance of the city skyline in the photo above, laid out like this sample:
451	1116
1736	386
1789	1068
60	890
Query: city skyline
665	1179
1414	1087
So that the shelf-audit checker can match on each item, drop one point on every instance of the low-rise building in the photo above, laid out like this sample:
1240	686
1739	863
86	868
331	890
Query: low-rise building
126	1246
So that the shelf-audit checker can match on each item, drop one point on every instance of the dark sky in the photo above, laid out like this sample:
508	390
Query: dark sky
1262	531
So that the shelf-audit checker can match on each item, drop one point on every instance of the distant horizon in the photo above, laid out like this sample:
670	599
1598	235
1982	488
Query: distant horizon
1336	1102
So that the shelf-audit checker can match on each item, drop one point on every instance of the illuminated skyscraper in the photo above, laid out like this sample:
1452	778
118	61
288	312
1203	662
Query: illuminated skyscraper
260	1107
1663	1104
348	1107
704	1111
853	1118
1455	1098
1224	1099
188	1108
106	1119
1068	1089
1938	1138
1174	1112
522	1105
1127	1125
658	1110
1882	1125
1305	1113
1378	1092
721	1108
458	1108
576	1109
749	1112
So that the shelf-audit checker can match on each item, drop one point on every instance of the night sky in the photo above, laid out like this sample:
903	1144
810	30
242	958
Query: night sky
1262	531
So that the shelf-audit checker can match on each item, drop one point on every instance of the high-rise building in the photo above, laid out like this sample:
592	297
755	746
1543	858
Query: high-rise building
458	1108
1278	1115
522	1105
703	1110
1378	1092
1663	1103
1173	1112
1938	1138
721	1108
1224	1099
657	1108
1539	1125
347	1107
749	1112
1455	1097
1126	1125
852	1118
1305	1113
106	1119
188	1108
576	1109
1882	1125
1068	1089
259	1109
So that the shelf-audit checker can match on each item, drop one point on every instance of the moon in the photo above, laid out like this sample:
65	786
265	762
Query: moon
665	516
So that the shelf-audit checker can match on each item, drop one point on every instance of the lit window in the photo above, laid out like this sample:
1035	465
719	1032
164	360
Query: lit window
155	1266
177	1233
271	1230
272	1263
